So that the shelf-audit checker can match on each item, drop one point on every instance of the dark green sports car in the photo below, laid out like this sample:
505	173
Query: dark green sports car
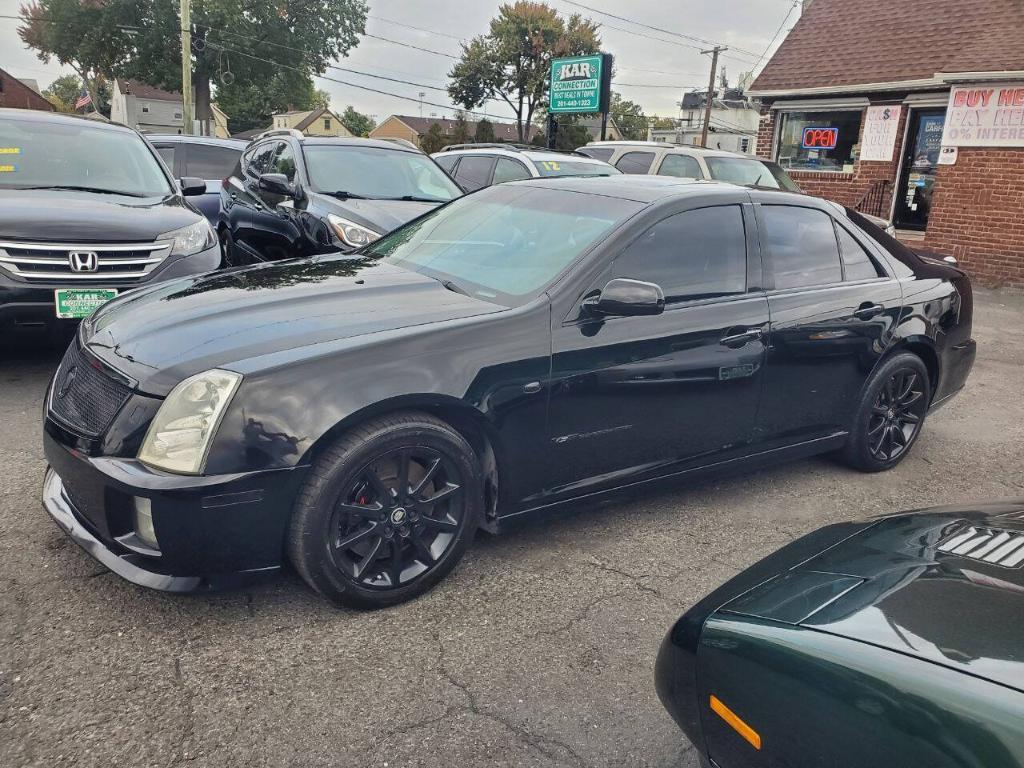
891	643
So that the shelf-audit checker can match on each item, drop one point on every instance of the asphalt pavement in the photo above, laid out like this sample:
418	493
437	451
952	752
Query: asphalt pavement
537	651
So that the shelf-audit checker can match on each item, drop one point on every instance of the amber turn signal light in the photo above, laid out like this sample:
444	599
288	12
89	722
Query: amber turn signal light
735	722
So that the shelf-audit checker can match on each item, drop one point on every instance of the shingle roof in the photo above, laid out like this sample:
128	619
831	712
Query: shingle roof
144	91
853	42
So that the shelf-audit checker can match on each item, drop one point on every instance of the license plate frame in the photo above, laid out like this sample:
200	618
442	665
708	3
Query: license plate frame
66	308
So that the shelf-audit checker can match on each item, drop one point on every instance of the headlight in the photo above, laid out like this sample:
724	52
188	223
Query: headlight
351	233
179	437
191	239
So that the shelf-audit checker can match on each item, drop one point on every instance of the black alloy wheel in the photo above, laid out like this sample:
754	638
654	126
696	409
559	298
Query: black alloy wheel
396	517
386	511
891	413
896	415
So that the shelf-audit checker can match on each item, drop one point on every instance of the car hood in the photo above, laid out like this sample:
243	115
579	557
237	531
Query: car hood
942	585
86	217
160	335
380	215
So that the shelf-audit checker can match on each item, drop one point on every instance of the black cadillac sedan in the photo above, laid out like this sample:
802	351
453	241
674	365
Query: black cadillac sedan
532	344
889	642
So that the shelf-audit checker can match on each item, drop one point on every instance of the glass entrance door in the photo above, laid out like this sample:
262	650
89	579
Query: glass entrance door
920	164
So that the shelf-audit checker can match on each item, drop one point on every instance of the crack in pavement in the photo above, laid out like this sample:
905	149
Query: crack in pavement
178	756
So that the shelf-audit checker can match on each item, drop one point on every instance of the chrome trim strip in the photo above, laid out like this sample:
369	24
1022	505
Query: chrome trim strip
995	542
957	540
108	256
63	262
155	246
1003	551
1015	559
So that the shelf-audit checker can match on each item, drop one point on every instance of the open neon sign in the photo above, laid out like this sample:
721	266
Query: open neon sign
820	138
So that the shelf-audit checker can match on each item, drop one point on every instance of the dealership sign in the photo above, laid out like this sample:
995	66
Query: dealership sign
820	138
580	84
985	116
879	138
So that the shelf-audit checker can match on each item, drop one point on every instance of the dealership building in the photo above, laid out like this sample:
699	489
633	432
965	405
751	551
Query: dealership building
909	110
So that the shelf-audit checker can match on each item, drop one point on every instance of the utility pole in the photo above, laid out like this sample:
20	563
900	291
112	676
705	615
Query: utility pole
711	92
186	67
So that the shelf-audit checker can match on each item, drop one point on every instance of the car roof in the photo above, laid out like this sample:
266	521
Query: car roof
39	116
638	188
680	148
181	138
354	141
531	154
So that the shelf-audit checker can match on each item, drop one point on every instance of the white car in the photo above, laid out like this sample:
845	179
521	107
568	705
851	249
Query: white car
475	166
689	162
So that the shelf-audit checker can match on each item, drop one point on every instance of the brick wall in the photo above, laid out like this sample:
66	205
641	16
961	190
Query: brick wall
977	214
17	95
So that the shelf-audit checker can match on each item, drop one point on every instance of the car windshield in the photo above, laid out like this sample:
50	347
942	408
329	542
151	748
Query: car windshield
78	155
560	167
377	173
750	172
506	243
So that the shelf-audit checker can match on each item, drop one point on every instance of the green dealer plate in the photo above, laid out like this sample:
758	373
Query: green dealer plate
76	303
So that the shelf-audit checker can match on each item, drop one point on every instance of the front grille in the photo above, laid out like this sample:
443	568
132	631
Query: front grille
83	396
53	262
988	545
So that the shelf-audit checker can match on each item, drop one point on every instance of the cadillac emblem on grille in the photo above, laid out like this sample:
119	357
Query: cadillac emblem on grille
67	381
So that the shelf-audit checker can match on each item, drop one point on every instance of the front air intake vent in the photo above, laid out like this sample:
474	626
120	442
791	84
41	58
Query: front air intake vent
988	545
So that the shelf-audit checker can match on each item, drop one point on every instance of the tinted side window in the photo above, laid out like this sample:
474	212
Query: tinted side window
509	170
857	265
635	162
691	255
598	153
447	163
167	155
683	166
284	162
209	162
474	172
259	158
803	246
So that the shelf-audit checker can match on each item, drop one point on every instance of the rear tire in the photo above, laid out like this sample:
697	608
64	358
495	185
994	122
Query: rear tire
388	510
891	414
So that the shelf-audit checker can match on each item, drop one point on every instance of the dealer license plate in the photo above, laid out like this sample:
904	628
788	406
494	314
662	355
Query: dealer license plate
76	303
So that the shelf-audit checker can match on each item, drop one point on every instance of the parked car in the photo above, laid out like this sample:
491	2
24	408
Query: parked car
204	157
87	211
534	343
294	195
690	162
893	642
475	166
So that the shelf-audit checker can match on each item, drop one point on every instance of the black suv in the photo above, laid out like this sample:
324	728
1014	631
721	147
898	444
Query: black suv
292	195
87	211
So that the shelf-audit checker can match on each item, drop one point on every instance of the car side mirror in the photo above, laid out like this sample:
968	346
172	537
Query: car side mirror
191	185
622	297
277	184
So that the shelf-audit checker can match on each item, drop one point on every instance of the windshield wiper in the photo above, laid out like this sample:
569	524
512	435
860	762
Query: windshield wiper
78	188
341	194
414	199
451	286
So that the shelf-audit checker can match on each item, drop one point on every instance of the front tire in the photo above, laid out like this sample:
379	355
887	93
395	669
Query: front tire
891	413
388	511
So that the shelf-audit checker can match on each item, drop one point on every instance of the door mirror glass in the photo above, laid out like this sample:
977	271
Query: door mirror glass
190	185
276	184
622	297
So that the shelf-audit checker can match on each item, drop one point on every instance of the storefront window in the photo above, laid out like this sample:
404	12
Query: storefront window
819	141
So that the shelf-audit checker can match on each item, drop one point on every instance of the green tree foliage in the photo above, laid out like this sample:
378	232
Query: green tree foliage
141	39
357	123
321	99
460	133
629	117
662	123
512	61
250	105
65	90
484	132
434	139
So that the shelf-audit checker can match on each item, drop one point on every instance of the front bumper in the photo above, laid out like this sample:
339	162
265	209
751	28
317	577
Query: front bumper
212	531
28	306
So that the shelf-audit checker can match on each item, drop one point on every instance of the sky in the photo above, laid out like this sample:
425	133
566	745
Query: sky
652	68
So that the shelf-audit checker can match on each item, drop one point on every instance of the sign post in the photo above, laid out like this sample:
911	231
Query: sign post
579	85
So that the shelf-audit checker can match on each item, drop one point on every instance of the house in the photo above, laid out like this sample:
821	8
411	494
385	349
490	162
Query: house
32	83
912	110
154	110
593	126
15	94
312	122
413	128
733	125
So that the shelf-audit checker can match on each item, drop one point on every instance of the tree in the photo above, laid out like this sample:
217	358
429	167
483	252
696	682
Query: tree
65	90
662	123
629	117
357	123
433	140
484	132
512	61
250	105
321	99
460	133
139	39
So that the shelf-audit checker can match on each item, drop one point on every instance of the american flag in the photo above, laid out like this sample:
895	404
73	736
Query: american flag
84	99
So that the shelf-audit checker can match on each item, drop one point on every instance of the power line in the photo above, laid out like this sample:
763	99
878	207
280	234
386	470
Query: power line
409	45
776	35
410	26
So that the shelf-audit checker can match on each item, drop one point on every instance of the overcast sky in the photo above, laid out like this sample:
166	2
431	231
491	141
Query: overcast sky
675	65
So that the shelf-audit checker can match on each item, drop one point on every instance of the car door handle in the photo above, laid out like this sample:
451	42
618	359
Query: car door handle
736	340
867	311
